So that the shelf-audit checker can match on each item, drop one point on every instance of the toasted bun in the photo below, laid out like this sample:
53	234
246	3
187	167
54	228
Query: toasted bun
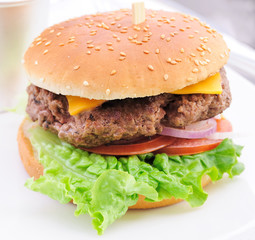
35	169
105	56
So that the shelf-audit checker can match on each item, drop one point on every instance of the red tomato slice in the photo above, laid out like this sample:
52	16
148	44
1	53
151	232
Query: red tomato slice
194	146
165	144
132	149
189	146
223	125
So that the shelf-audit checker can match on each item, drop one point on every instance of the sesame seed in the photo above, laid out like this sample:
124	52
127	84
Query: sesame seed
165	77
38	43
113	23
85	83
157	51
52	30
189	79
108	91
172	34
192	54
203	46
202	63
71	40
195	70
106	27
145	29
172	19
182	29
200	49
109	43
61	44
123	54
182	50
139	43
222	56
58	34
191	36
89	41
92	33
130	38
45	52
205	40
173	26
114	35
196	62
209	30
178	60
173	62
202	54
97	48
209	50
135	36
122	58
123	31
38	39
145	39
88	52
150	67
68	87
76	67
90	46
113	72
168	39
119	25
196	31
188	27
207	60
118	39
48	43
169	60
146	51
36	62
162	36
110	48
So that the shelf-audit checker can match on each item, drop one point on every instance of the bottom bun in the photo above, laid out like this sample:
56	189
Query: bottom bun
35	169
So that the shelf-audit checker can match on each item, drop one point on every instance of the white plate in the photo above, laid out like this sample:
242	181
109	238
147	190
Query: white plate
229	212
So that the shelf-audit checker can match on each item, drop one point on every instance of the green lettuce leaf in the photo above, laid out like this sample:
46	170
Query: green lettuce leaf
105	186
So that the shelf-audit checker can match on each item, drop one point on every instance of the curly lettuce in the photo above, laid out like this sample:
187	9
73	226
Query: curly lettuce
105	186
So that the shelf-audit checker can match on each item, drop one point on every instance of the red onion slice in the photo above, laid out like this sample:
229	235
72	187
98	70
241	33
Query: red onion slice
196	130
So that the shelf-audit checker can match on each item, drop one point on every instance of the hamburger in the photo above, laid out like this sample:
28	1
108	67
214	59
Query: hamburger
127	116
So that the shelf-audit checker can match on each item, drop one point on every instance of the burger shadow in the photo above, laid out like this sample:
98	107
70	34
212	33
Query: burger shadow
183	208
63	215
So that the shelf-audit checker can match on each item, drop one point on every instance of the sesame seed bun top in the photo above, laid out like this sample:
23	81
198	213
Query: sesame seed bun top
105	56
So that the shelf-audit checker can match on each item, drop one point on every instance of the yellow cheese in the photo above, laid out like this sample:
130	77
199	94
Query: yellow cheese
78	104
211	85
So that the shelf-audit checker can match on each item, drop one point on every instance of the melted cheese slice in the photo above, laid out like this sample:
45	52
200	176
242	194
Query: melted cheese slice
78	104
211	85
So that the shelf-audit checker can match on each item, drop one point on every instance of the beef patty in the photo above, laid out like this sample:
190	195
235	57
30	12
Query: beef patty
123	119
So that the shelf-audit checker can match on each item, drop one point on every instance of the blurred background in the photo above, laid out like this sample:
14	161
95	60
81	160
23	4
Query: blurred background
23	20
